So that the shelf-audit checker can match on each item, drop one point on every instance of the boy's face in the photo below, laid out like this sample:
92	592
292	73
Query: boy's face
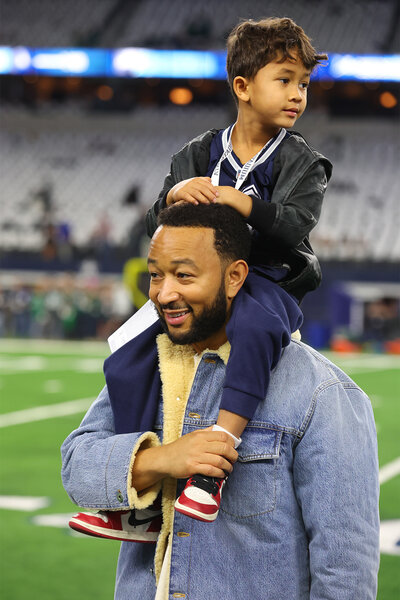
277	96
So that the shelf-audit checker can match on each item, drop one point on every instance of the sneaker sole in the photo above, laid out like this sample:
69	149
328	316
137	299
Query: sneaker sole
122	536
195	514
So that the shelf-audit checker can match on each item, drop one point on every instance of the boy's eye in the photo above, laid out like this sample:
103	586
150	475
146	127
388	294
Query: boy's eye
305	84
284	80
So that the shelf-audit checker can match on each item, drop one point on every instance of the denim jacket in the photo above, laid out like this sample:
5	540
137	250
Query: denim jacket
299	514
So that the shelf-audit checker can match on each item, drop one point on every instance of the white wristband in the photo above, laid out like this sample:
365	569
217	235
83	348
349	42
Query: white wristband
237	441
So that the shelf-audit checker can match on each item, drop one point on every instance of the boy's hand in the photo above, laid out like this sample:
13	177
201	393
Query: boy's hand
197	190
232	197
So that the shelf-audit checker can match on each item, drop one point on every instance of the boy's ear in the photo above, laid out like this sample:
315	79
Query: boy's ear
235	276
241	88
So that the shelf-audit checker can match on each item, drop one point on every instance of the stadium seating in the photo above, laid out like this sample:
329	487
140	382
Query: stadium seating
181	24
46	23
332	22
91	166
361	214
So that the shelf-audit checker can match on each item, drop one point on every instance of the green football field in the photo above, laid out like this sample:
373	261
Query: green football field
45	388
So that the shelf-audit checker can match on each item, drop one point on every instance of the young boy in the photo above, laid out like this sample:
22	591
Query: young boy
277	183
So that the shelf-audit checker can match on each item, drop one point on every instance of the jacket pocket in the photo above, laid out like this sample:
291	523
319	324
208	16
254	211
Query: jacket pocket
251	489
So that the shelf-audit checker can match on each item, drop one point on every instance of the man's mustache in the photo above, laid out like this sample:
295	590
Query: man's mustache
175	306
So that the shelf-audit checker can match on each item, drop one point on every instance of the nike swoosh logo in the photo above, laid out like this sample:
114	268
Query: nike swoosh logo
135	522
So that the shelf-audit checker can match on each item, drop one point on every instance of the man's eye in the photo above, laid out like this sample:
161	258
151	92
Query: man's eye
153	275
184	275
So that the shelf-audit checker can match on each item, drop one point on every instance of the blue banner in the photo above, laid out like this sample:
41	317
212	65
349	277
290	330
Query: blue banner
173	64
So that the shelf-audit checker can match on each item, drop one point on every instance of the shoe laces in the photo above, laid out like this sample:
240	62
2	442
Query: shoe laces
132	518
208	484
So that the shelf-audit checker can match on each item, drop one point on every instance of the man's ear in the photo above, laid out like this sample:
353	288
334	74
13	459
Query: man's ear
235	276
240	87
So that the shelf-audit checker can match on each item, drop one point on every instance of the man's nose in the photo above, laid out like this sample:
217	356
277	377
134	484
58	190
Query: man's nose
168	292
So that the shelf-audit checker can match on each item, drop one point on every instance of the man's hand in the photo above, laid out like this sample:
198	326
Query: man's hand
202	451
236	199
197	190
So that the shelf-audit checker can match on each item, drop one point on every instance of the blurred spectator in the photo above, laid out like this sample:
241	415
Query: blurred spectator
66	308
138	240
100	239
21	310
49	250
382	320
44	196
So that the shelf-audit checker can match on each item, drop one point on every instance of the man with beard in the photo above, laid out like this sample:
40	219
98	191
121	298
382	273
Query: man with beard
300	513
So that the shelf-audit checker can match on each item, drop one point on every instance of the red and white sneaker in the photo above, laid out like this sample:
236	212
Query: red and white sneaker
141	526
201	498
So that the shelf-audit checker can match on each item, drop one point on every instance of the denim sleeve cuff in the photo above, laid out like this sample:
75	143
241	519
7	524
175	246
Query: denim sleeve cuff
147	440
239	402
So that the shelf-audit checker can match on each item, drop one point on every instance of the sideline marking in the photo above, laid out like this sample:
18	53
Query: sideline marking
39	413
389	470
50	346
360	363
390	537
389	531
14	366
25	503
56	520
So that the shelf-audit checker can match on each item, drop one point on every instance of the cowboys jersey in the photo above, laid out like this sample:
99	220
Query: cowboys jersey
255	177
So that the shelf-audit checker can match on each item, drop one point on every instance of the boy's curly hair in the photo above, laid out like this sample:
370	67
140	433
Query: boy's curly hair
253	44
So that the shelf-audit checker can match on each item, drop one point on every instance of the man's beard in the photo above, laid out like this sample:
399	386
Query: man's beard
211	319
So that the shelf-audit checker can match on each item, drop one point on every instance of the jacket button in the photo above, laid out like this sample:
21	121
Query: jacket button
178	595
120	497
194	415
182	534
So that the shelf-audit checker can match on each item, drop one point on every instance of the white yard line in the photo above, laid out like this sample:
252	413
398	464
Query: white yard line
10	345
20	364
356	363
25	503
389	471
38	413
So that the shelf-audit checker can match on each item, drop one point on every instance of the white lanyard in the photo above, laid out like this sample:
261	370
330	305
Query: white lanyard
257	159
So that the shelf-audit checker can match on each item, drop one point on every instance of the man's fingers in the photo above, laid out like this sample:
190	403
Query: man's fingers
221	463
202	451
211	471
223	449
213	465
218	444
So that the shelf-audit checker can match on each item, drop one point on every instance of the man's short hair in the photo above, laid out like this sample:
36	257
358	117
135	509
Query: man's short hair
232	238
253	44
